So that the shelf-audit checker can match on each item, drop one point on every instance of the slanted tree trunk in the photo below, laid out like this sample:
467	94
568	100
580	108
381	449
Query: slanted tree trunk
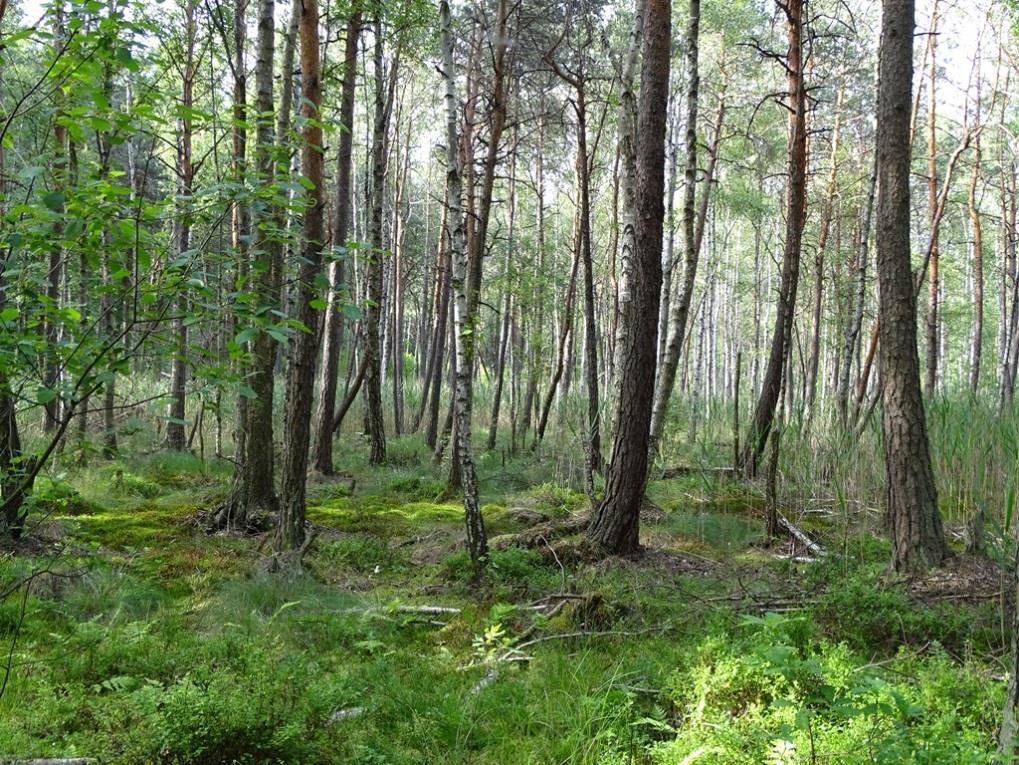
627	119
332	335
614	524
796	208
560	364
917	537
304	346
477	541
675	326
439	342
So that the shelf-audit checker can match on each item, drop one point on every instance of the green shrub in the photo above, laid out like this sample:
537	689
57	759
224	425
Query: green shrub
512	570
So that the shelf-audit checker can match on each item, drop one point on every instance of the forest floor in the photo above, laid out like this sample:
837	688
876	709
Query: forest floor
144	639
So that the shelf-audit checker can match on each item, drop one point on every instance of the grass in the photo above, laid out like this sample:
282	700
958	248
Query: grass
154	642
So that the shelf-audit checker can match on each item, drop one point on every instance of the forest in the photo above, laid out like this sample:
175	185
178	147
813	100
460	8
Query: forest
397	382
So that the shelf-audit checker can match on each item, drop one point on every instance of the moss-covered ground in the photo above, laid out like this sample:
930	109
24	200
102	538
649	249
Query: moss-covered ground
142	639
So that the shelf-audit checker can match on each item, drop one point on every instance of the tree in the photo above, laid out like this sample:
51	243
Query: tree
675	326
614	525
373	318
175	437
477	541
917	537
332	335
290	533
796	210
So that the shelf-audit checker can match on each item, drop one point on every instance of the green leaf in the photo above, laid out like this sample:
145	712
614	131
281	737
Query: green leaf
54	200
246	335
9	314
44	395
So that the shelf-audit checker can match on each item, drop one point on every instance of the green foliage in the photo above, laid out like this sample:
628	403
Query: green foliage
164	644
556	500
511	571
777	694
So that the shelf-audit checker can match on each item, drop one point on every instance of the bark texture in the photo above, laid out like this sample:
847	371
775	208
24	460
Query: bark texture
301	372
917	536
614	525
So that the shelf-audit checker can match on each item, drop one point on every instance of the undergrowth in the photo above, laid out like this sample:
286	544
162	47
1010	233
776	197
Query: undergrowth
152	642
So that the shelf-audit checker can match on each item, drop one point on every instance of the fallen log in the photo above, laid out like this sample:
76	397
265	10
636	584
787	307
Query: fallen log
542	533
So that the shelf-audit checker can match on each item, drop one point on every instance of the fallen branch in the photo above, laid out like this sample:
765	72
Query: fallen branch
418	539
346	714
800	536
508	656
490	677
433	610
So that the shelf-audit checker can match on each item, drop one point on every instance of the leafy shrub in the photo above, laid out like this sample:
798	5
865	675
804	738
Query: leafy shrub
868	615
512	570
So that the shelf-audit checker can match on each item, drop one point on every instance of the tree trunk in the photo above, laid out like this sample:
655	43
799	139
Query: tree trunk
332	336
304	346
240	220
679	312
614	524
796	200
175	435
934	272
51	411
560	364
675	327
592	441
917	537
477	541
373	316
627	120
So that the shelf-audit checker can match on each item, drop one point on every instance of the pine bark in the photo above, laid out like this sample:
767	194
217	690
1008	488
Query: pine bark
614	527
917	536
290	531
